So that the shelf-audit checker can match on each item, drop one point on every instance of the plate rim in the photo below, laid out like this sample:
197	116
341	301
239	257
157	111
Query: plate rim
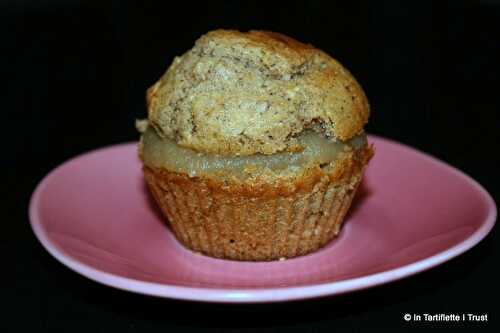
261	294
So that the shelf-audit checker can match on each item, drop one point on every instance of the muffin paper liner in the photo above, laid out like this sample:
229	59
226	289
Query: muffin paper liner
228	225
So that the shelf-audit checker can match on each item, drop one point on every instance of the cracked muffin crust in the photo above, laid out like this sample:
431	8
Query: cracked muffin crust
241	93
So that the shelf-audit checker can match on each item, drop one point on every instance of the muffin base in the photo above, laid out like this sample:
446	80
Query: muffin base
261	220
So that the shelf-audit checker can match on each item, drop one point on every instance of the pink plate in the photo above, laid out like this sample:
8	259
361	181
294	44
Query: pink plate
412	213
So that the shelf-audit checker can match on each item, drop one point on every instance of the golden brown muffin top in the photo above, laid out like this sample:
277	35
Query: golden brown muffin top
238	93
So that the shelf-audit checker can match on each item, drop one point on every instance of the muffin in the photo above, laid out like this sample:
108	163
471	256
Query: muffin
254	145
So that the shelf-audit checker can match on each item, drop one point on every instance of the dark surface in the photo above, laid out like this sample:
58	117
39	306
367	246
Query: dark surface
74	76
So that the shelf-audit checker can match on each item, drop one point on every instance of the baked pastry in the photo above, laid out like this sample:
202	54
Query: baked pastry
254	145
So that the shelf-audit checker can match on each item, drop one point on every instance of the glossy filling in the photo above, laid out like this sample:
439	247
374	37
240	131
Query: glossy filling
317	150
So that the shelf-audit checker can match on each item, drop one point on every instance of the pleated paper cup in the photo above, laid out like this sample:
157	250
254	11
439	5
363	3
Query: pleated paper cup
256	222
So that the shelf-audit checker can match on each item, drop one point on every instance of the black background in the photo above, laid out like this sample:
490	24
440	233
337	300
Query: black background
74	75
